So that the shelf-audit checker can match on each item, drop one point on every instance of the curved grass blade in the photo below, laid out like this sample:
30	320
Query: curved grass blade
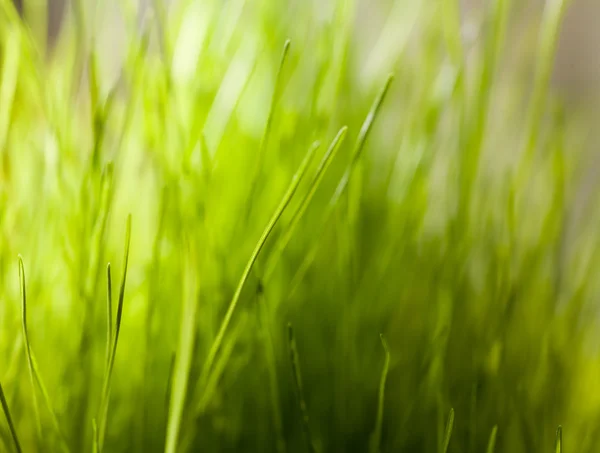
343	184
376	439
297	375
28	345
9	420
265	137
320	173
449	427
208	365
558	448
105	397
492	442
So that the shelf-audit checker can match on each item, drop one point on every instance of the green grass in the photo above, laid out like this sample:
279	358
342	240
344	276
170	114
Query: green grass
402	196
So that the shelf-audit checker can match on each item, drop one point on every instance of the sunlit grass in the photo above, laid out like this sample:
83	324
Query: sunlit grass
411	189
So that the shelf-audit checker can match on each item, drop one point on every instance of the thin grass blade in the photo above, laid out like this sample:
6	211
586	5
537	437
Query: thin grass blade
343	184
297	375
269	345
448	434
265	137
109	315
376	439
48	403
316	181
96	446
11	426
220	364
207	369
492	442
22	285
183	358
105	397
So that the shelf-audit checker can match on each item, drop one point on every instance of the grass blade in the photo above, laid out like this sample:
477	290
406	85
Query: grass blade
169	386
96	446
297	375
9	420
320	173
558	448
109	316
492	442
179	381
47	402
220	364
104	402
343	184
28	345
265	137
362	139
448	434
269	345
554	13
376	439
8	85
260	244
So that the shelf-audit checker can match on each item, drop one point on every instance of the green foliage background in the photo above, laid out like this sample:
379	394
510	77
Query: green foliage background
441	221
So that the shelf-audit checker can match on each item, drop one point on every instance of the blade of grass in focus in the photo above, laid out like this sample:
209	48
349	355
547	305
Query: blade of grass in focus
207	368
106	386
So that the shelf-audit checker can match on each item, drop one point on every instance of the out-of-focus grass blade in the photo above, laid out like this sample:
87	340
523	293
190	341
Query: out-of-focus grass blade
554	12
47	402
376	439
183	358
265	137
559	448
9	420
342	185
320	173
96	446
362	138
497	15
109	315
448	434
267	336
105	397
452	32
220	364
8	83
492	442
208	365
297	375
22	285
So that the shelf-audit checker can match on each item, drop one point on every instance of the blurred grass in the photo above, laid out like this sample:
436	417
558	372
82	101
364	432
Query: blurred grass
439	218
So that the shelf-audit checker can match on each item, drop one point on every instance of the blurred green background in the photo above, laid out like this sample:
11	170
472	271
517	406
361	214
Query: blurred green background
455	215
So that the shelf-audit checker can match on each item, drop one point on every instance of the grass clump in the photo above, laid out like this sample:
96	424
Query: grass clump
441	214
